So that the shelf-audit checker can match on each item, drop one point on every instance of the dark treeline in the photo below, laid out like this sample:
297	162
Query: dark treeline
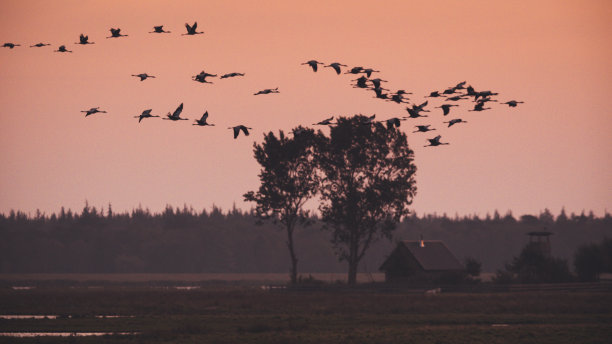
183	240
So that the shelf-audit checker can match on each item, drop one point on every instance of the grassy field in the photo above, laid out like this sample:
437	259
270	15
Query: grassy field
250	315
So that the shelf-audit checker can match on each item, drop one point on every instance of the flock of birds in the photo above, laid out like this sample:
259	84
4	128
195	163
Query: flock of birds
450	96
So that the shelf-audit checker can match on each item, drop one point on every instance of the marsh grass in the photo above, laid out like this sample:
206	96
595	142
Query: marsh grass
253	316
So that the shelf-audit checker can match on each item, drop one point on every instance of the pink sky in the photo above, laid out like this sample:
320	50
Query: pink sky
553	151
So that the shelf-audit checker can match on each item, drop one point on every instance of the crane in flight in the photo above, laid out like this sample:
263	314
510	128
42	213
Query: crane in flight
336	66
143	76
267	91
512	103
327	121
238	128
436	142
10	45
92	111
191	30
175	116
445	108
159	29
38	45
62	49
455	121
422	128
84	40
231	75
115	33
202	77
202	121
313	64
145	114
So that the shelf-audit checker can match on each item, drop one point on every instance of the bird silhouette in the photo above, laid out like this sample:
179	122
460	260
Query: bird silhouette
422	128
361	82
456	98
435	142
191	30
369	71
145	114
326	121
479	107
84	40
450	90
512	103
143	76
202	77
354	70
115	33
433	94
238	128
445	108
380	94
376	82
336	66
455	121
159	29
460	86
267	91
38	45
62	49
92	111
175	116
414	113
231	75
313	64
391	122
10	45
202	121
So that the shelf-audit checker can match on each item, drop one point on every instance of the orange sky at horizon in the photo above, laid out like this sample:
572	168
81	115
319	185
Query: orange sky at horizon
553	151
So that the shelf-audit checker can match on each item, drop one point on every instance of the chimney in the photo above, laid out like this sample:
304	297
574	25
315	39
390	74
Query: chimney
422	242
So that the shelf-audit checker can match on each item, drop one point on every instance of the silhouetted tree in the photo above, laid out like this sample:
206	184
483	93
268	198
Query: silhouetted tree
534	266
288	180
589	262
367	185
472	266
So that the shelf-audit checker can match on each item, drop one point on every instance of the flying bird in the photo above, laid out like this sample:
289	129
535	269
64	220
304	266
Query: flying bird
143	76
435	142
145	114
380	94
512	103
455	121
116	33
414	113
84	40
159	29
62	49
92	111
10	45
38	45
479	107
445	108
238	128
202	77
361	82
336	66
202	121
175	116
325	121
391	122
422	128
231	75
267	91
455	98
433	94
313	64
369	71
354	70
376	82
460	86
191	30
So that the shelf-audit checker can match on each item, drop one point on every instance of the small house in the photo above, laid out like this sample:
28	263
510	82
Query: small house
420	261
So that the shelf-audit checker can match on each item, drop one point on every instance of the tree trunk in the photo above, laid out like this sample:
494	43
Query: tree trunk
352	272
353	259
294	260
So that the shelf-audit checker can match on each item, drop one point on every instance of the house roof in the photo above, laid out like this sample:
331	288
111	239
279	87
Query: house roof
432	255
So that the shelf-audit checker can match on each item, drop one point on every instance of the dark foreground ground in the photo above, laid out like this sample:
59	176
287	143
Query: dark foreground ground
250	315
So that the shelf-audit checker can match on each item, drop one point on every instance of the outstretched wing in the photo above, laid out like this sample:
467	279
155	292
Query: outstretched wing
204	117
189	28
178	111
244	130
